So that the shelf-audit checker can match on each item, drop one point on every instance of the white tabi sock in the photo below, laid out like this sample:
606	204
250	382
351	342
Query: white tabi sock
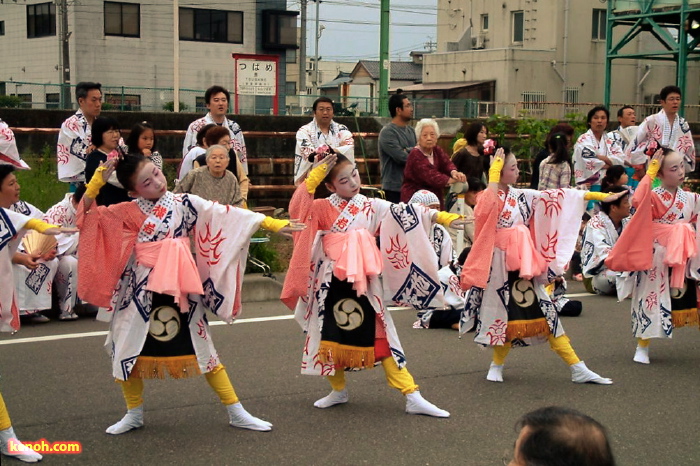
581	374
333	398
416	404
132	420
495	373
12	447
641	355
239	417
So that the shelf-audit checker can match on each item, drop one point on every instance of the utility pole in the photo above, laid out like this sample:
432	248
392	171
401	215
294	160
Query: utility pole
302	50
317	37
176	56
384	63
64	53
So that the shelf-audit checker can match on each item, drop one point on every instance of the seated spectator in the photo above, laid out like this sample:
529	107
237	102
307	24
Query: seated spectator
105	137
34	273
614	176
213	181
217	136
470	189
554	436
201	148
428	167
454	298
599	237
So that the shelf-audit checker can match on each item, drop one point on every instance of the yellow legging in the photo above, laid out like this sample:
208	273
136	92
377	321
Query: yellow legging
560	345
4	415
399	379
217	379
642	343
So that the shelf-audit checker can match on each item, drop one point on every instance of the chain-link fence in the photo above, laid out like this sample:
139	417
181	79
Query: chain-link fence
57	96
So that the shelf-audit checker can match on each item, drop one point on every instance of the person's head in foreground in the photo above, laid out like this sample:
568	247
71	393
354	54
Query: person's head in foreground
555	436
672	171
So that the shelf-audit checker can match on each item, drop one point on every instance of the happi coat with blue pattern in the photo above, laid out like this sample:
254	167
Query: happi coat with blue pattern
220	237
409	269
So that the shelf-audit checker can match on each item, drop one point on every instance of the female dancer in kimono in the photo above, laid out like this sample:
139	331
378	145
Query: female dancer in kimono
13	225
334	282
135	260
658	244
524	239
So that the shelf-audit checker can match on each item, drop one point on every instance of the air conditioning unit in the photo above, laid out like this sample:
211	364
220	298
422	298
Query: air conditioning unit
479	42
309	66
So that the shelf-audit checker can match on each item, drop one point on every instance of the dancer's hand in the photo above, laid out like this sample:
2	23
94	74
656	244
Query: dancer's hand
292	227
496	166
612	197
655	164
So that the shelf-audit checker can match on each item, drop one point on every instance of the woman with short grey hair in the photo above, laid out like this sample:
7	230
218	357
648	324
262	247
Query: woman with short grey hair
213	182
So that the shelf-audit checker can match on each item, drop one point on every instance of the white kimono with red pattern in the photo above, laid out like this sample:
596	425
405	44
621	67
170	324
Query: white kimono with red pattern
553	218
588	168
221	235
657	128
11	232
599	237
71	151
8	148
651	291
409	273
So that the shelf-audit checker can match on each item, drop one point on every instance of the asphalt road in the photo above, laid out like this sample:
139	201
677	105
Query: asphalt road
61	389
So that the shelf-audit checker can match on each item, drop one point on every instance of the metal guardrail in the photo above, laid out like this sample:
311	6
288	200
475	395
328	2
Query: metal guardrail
129	98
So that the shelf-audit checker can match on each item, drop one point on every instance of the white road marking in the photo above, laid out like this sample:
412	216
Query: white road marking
70	336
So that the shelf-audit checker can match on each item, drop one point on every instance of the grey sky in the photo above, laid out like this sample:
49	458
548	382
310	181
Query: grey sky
352	28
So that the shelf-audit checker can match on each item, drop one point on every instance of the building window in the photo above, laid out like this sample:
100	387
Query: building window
518	19
25	99
533	101
279	29
2	28
122	19
291	88
124	101
484	23
599	28
41	20
572	99
53	100
211	25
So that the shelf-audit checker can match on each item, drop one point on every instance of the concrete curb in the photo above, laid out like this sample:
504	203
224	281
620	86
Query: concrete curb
257	288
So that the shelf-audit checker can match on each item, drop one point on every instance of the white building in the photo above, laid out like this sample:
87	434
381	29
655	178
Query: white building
539	51
132	44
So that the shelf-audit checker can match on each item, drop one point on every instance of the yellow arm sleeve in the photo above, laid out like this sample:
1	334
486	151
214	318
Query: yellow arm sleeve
92	189
39	225
446	218
316	177
653	169
273	224
595	196
495	170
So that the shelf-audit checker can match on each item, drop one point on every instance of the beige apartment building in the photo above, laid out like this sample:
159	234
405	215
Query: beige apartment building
538	51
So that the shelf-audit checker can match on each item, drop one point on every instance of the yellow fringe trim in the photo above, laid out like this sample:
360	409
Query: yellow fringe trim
685	317
178	367
527	328
331	352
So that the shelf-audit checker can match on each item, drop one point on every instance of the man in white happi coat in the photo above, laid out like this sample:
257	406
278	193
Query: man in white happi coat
217	100
75	138
666	129
626	132
8	148
599	237
322	131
